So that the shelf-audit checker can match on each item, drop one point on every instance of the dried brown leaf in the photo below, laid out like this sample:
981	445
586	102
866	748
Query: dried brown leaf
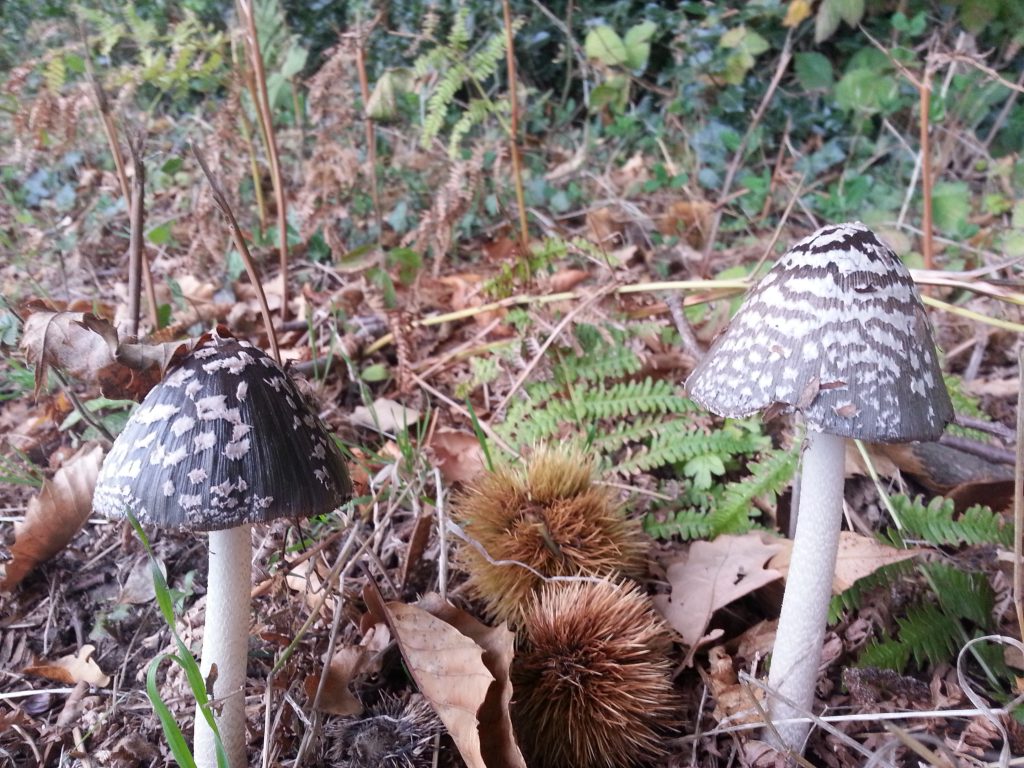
55	515
457	454
73	668
497	739
336	698
69	342
859	556
713	574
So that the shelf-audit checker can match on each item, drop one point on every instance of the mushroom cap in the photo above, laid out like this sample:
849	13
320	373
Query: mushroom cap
224	439
837	331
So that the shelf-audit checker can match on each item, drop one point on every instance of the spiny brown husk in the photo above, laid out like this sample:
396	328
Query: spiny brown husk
396	733
592	683
547	514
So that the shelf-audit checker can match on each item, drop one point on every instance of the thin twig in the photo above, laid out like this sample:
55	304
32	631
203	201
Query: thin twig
925	96
236	234
716	219
136	145
513	130
368	123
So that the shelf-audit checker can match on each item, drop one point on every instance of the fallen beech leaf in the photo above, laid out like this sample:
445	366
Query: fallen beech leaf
447	666
54	516
713	574
336	698
458	455
385	415
64	340
859	556
497	738
567	279
138	587
73	668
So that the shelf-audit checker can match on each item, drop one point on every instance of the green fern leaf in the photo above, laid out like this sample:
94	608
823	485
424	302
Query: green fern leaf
767	478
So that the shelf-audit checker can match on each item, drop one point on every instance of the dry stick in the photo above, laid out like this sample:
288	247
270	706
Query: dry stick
138	213
122	177
368	125
925	90
1018	503
262	100
236	235
513	99
730	174
254	168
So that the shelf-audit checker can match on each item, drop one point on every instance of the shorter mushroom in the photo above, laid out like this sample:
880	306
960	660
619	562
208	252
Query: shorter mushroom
225	440
836	331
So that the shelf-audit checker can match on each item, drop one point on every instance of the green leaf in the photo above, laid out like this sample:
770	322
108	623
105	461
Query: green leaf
604	45
294	61
826	22
408	263
951	205
638	44
701	469
375	373
160	234
851	11
814	71
867	91
172	165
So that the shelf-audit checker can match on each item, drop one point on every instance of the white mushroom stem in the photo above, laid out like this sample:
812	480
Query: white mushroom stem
226	644
798	643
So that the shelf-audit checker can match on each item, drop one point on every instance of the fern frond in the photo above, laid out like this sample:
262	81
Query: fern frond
963	594
768	476
687	524
885	654
934	523
851	599
931	635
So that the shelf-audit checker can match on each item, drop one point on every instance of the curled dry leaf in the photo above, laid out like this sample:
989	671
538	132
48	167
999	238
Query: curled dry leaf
713	574
54	516
458	455
497	738
70	342
733	700
349	664
385	415
71	669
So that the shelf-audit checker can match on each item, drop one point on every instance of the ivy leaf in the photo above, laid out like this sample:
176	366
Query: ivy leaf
604	45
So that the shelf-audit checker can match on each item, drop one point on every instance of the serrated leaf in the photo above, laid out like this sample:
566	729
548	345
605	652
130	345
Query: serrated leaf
813	71
604	45
638	44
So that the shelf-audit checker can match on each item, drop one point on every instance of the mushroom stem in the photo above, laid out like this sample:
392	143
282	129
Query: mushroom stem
226	644
802	622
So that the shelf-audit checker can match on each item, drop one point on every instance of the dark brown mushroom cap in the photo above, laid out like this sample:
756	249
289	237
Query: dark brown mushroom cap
837	331
224	439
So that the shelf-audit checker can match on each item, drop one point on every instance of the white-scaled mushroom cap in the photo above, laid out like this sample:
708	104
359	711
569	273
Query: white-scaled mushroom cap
224	439
837	331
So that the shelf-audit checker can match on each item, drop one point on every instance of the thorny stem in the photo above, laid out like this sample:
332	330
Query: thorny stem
513	100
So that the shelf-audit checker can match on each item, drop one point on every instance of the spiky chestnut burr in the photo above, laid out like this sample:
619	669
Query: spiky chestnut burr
592	684
547	514
396	733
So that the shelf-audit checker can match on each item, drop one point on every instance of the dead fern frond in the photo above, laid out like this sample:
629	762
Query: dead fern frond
451	204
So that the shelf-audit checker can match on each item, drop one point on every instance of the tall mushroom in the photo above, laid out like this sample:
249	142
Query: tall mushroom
225	440
836	331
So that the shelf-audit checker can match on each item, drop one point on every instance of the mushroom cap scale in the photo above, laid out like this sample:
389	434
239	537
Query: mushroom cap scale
224	439
837	331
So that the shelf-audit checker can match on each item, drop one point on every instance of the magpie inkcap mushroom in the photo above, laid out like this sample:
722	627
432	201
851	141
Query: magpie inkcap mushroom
837	332
224	440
